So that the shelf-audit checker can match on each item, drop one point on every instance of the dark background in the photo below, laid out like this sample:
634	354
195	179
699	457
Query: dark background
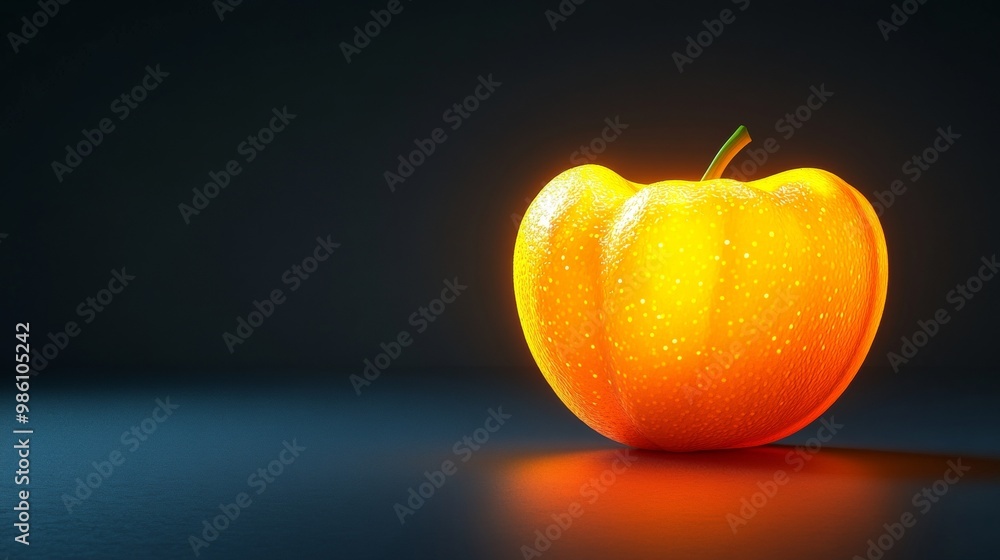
323	175
455	217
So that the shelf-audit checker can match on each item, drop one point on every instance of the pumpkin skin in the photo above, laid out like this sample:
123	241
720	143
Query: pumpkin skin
689	315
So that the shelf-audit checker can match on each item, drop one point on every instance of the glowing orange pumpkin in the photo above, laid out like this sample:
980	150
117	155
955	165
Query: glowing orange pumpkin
699	315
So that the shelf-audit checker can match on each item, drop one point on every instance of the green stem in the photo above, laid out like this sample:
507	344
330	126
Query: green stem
736	142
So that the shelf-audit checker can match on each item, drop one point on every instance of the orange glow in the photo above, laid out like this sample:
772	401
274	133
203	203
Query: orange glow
704	505
688	315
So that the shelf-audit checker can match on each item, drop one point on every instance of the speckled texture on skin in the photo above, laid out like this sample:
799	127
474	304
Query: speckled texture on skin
708	315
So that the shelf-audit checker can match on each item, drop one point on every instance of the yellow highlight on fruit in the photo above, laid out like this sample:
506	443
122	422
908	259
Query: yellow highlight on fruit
688	315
